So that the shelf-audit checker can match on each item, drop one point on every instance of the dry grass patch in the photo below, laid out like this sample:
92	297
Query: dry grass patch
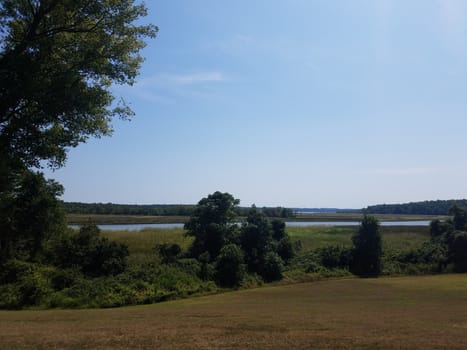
386	313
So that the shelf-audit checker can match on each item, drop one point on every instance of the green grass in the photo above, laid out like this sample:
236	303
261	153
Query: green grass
394	237
385	313
141	243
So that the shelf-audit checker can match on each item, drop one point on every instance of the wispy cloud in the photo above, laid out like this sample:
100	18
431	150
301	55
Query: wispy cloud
168	87
406	171
193	78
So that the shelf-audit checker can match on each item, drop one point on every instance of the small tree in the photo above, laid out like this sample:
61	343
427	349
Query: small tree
230	269
367	248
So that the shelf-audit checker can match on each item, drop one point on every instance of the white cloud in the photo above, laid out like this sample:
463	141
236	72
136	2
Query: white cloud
164	87
193	78
175	80
406	171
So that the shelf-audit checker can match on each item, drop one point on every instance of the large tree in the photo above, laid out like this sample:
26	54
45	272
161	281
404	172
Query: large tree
58	61
212	224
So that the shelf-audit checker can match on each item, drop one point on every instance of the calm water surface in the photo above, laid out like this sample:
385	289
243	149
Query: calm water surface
136	227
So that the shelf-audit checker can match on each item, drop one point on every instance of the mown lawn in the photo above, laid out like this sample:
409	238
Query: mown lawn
427	312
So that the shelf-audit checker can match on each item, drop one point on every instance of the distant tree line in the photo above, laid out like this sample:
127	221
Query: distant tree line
438	207
128	209
159	209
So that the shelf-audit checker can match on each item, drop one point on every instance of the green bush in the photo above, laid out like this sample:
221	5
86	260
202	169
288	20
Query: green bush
272	267
230	268
92	254
24	284
333	257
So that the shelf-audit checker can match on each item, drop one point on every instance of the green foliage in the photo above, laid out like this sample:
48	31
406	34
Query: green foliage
438	207
286	249
58	61
278	229
90	253
459	217
23	284
230	269
367	248
272	267
168	252
30	213
333	257
457	251
212	224
128	209
256	239
437	228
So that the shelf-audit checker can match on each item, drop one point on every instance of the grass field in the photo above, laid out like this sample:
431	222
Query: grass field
387	313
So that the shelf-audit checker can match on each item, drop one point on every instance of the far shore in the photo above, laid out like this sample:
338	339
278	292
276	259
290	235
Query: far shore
80	219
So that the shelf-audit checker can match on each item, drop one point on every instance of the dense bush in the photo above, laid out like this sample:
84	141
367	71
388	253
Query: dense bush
24	284
168	252
333	257
92	254
230	268
272	267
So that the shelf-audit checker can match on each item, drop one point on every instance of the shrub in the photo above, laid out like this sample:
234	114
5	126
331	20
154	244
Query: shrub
168	252
272	267
230	268
333	257
285	249
90	253
24	284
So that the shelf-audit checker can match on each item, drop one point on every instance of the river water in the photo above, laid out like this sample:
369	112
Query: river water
136	227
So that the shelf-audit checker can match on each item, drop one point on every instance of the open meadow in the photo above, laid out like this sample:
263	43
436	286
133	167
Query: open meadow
428	312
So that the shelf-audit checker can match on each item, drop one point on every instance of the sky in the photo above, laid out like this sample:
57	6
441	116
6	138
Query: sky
298	103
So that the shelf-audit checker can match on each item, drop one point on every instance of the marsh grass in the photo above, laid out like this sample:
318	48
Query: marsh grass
141	243
394	237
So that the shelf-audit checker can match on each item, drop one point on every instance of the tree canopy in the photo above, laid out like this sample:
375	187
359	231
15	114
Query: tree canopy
58	60
368	248
211	223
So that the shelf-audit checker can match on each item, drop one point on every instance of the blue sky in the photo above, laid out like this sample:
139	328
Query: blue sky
295	103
